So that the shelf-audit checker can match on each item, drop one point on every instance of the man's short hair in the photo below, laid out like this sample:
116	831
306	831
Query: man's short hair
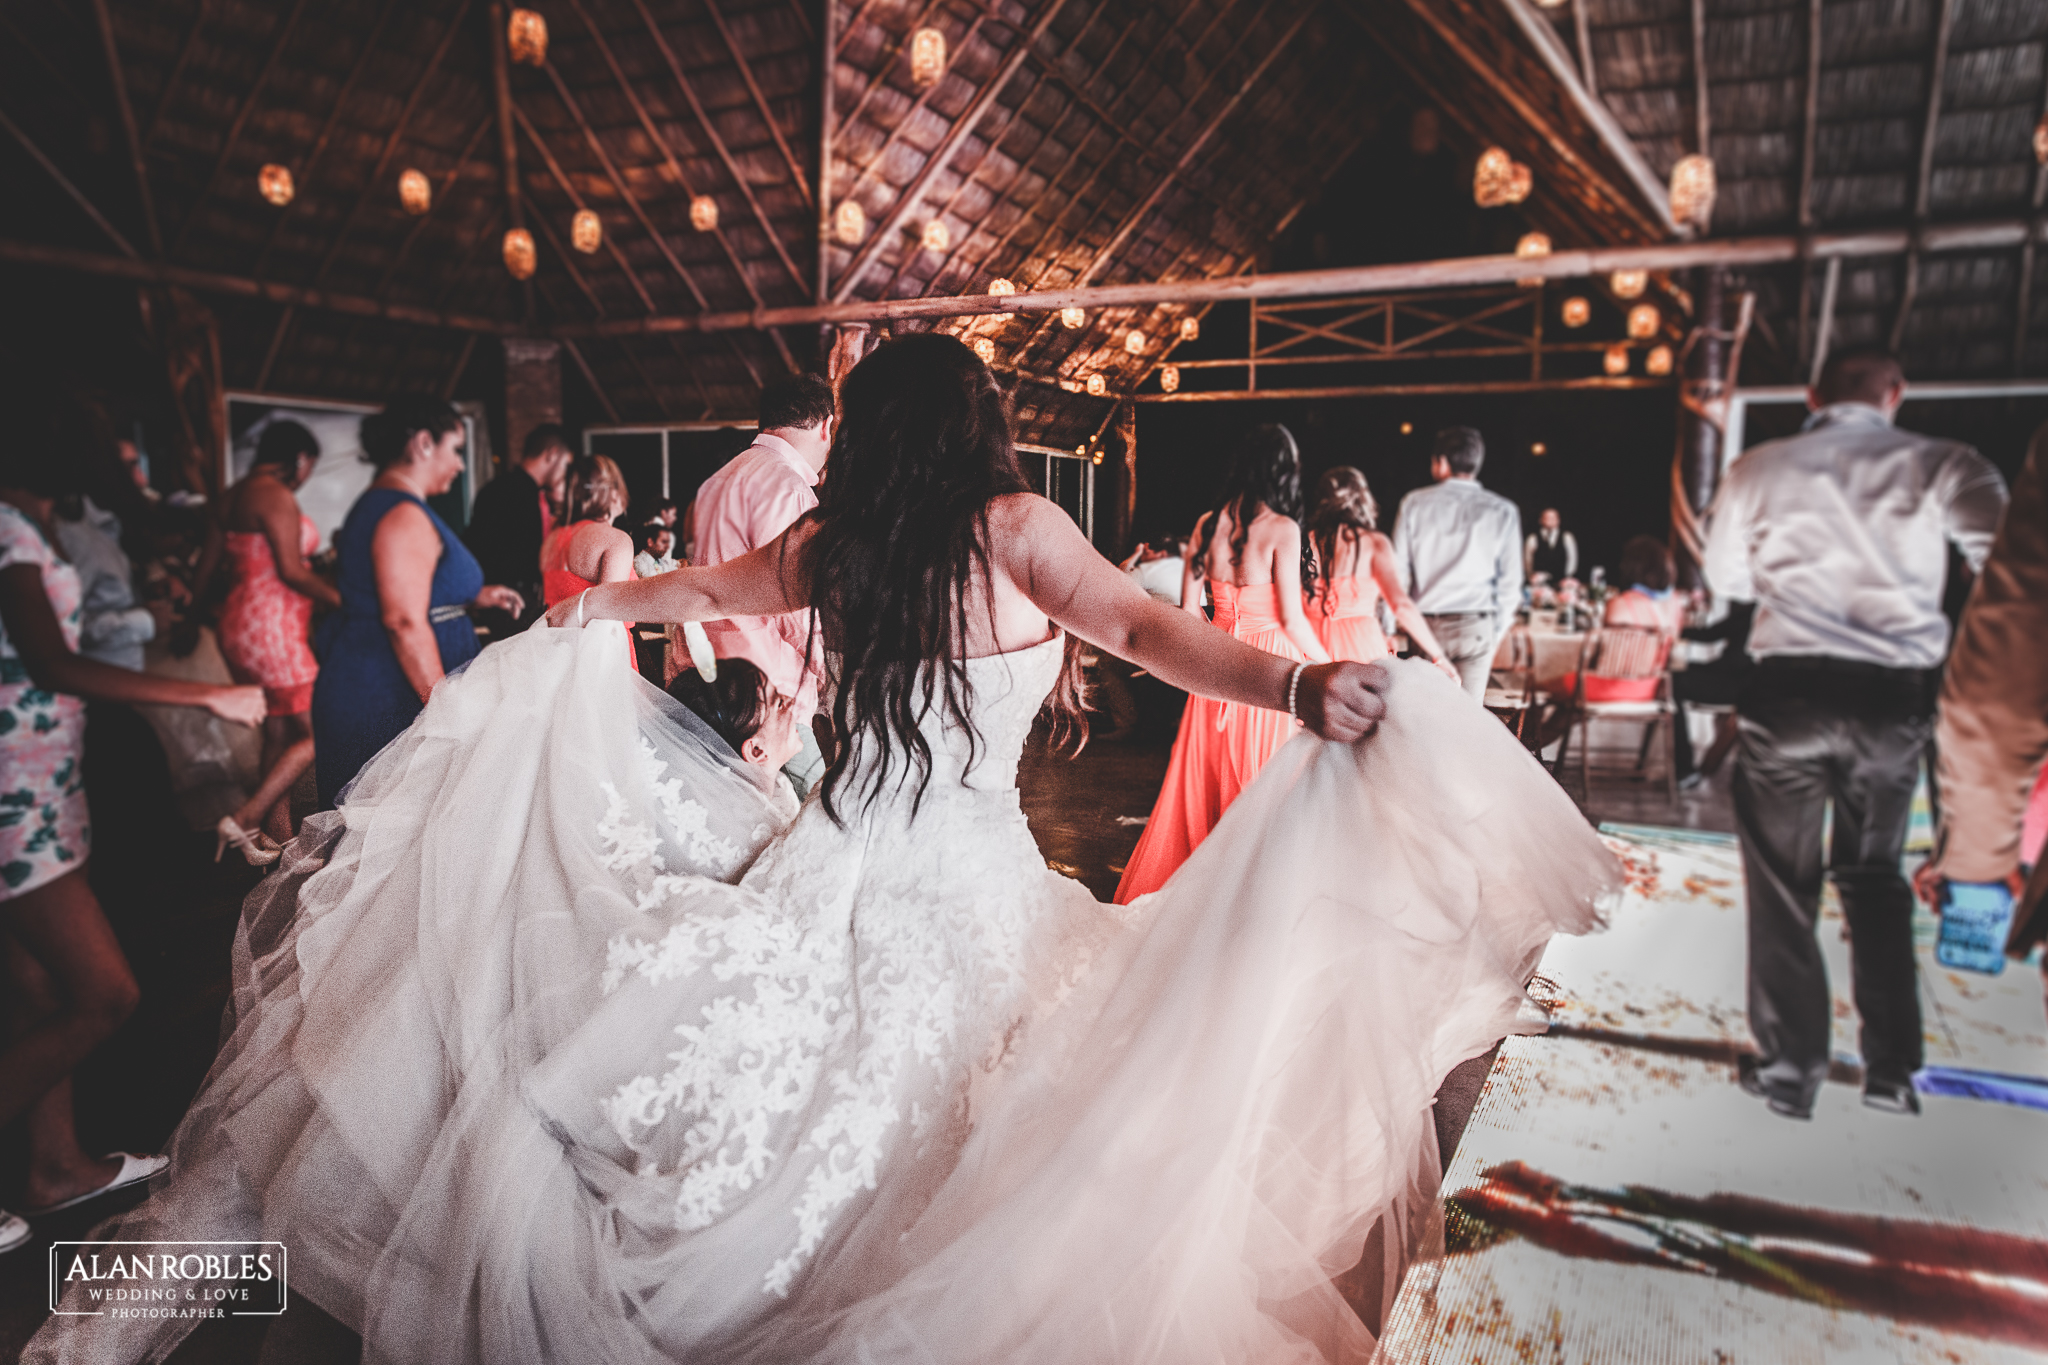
796	401
1461	447
1860	374
543	438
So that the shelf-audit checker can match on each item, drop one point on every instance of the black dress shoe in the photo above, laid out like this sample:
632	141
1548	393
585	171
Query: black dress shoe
1893	1097
1748	1074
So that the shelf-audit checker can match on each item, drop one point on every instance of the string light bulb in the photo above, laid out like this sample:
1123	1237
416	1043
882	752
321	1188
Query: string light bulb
520	260
586	232
985	350
1693	191
927	57
1576	311
1629	284
1073	319
1538	448
849	223
526	37
274	182
415	192
704	213
1533	246
1658	361
1169	378
936	236
1191	328
1097	386
1407	428
1499	179
1643	320
1616	360
1002	288
1134	342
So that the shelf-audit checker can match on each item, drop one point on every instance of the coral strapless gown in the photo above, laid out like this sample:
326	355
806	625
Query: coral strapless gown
265	624
1348	621
1220	748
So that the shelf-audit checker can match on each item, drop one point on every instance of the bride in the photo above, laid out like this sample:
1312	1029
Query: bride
554	1044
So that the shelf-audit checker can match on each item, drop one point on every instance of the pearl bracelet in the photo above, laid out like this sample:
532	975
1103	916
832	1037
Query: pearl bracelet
1293	686
579	607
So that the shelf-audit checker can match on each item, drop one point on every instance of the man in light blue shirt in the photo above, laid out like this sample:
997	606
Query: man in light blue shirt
1460	548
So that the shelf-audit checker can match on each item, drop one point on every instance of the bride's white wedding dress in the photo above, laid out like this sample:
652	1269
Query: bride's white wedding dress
549	1046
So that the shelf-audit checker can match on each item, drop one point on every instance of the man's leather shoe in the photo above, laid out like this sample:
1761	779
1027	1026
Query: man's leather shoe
1893	1097
1748	1074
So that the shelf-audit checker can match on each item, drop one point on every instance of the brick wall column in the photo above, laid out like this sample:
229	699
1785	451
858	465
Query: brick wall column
533	389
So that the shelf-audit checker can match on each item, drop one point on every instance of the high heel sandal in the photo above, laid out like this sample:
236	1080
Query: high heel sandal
256	846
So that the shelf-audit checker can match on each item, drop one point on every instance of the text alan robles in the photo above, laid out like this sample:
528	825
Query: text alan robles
167	1279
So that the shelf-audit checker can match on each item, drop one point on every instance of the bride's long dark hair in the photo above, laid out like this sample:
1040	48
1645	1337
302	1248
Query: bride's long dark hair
899	556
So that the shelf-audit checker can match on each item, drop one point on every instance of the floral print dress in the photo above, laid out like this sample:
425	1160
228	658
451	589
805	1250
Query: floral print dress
44	828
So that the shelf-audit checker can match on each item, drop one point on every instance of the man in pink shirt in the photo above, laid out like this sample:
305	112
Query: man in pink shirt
747	504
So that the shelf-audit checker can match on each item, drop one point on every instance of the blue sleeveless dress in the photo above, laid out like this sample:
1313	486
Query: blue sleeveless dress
362	701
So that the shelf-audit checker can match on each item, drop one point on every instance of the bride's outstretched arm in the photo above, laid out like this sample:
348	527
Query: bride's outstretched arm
1044	553
763	582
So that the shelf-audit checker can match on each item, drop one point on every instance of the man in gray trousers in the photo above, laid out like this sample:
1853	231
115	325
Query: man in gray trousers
1460	548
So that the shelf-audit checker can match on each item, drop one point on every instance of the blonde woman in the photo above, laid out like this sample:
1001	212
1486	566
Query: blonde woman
1355	568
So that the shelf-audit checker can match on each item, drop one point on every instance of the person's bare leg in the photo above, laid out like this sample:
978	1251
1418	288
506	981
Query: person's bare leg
85	976
287	753
58	1168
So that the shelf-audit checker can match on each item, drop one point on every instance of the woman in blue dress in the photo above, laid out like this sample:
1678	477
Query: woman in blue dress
407	585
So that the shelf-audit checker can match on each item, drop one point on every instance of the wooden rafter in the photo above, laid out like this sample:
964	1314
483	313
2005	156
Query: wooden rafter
448	182
1808	140
911	197
461	365
746	70
391	141
1923	180
828	66
111	50
885	62
234	132
739	179
177	72
326	134
1583	31
564	184
1598	383
63	182
591	379
906	119
1702	124
1829	289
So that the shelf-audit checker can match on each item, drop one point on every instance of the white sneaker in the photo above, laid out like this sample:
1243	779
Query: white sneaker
14	1232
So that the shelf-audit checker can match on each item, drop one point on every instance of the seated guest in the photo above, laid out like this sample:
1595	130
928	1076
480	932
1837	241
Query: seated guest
743	707
656	544
1648	604
407	587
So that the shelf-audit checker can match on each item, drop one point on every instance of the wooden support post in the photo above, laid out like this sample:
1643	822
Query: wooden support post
1123	508
1696	465
1830	286
828	60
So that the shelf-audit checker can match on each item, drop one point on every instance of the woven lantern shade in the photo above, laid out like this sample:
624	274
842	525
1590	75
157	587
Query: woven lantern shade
849	223
1490	178
1692	191
1629	284
1576	311
1533	246
1097	386
586	233
2041	140
520	260
415	192
1073	318
526	37
927	57
1169	378
1658	361
1616	359
704	213
1643	320
935	237
274	183
1134	342
999	285
1190	328
986	349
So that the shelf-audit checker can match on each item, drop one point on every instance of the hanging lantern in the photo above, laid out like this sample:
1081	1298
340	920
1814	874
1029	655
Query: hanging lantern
1616	359
704	213
986	349
274	182
1073	318
1629	284
415	192
849	223
586	233
1533	246
1658	361
2041	140
1521	180
1643	320
999	285
1190	328
1490	178
1096	458
1134	342
1538	448
526	37
519	258
936	236
1576	311
1097	386
1169	378
1692	191
927	57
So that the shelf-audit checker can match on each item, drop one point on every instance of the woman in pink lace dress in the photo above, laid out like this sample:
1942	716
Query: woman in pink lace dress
266	622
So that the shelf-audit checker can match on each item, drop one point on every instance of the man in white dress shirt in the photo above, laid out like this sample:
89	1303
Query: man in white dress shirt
1461	550
1840	536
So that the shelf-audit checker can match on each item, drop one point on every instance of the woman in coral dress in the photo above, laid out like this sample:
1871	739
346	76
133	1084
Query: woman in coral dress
266	625
587	549
1248	550
1355	567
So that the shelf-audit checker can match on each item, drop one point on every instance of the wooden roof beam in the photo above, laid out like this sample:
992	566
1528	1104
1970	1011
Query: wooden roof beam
76	195
942	156
448	182
177	73
1702	124
746	70
1809	136
1923	180
235	126
1597	384
828	66
129	139
562	181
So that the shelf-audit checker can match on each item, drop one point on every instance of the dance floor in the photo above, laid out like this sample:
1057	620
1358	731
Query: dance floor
1617	1198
